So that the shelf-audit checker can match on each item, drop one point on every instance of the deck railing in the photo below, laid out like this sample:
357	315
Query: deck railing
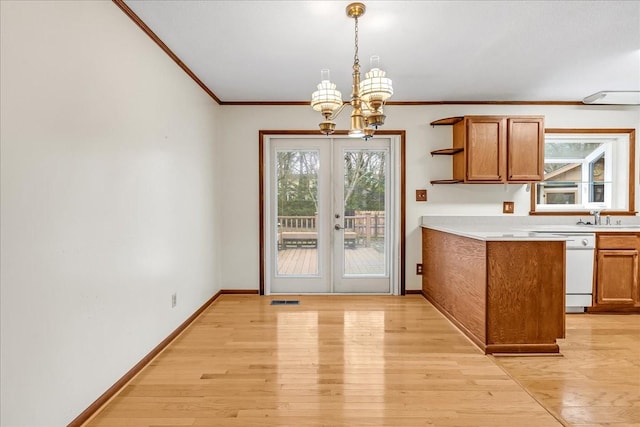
297	223
366	224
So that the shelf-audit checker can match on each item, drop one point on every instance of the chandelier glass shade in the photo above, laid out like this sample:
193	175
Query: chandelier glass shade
367	97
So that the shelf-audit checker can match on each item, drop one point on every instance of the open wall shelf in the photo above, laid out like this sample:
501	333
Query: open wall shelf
448	121
447	151
446	181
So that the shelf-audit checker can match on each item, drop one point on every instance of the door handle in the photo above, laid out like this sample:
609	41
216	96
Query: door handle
338	227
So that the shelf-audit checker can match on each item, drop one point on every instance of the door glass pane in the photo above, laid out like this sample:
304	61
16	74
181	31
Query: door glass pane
364	212
297	207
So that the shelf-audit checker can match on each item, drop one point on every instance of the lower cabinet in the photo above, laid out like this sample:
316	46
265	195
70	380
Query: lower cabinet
505	296
616	284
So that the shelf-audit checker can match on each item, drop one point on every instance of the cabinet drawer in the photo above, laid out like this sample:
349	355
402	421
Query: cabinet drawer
617	241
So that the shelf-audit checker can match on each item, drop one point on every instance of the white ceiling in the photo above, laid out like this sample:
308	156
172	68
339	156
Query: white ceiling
433	50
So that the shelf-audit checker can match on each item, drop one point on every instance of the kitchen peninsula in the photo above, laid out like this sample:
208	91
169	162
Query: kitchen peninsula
504	290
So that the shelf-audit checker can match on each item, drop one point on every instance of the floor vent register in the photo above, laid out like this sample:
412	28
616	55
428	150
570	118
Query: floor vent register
285	302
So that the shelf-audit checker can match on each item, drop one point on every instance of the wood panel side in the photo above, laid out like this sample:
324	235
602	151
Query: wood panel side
454	278
526	292
459	160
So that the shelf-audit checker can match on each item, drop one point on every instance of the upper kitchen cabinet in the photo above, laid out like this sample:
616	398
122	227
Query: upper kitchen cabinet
495	149
525	148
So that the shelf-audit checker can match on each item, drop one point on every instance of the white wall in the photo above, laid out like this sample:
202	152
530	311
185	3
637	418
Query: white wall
240	259
109	203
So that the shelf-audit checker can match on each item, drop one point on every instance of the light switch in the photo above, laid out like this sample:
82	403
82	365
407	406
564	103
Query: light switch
421	195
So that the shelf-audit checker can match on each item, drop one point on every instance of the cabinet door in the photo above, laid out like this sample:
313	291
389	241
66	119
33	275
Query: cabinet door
617	282
485	149
525	148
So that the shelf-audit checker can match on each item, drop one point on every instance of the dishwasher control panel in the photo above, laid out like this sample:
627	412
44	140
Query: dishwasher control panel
578	241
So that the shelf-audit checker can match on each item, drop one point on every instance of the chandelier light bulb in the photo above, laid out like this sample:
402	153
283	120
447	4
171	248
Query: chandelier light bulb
326	99
376	87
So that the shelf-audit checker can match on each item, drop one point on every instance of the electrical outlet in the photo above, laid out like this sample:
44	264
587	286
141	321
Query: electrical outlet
419	269
421	195
507	207
174	299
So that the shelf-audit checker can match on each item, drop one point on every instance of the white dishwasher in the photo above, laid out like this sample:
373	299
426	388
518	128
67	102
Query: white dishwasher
579	271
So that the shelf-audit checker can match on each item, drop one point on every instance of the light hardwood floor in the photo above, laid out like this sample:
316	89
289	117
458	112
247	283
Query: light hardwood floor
597	381
371	361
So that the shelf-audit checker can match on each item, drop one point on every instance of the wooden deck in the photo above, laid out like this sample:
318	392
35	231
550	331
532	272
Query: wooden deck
304	261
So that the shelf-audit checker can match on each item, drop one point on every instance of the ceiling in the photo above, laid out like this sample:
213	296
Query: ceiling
273	51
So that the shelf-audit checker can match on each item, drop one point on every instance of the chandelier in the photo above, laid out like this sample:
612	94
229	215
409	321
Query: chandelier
367	96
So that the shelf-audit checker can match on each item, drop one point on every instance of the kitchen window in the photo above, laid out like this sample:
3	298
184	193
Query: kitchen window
586	170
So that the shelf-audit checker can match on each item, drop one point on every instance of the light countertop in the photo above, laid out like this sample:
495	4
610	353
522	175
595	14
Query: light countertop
497	235
481	229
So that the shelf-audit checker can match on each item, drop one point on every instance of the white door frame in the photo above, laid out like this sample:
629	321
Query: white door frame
396	205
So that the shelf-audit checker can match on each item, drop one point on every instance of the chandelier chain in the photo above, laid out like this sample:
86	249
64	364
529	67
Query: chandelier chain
356	60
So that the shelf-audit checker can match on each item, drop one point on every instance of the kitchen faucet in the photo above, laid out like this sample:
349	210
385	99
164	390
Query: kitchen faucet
596	217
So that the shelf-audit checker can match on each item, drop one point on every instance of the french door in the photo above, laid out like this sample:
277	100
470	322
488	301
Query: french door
330	217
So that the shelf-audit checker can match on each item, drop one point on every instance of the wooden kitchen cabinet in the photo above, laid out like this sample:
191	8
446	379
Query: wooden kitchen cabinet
616	284
505	296
484	139
495	149
525	149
